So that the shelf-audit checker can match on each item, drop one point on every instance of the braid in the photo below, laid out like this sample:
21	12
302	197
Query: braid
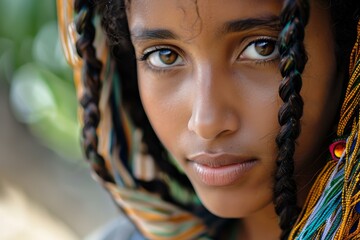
294	17
92	85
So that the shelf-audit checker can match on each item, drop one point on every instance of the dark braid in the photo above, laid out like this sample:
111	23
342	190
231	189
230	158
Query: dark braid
92	85
294	17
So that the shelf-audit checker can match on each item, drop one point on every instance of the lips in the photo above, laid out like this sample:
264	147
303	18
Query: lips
220	169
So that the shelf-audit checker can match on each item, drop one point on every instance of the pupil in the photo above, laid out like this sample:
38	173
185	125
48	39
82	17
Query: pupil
167	56
265	48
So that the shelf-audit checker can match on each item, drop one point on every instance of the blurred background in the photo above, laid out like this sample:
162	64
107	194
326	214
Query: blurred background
46	191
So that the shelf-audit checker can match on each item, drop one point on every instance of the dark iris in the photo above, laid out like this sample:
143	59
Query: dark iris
265	48
168	56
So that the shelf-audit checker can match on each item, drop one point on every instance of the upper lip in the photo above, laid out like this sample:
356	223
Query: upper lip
215	160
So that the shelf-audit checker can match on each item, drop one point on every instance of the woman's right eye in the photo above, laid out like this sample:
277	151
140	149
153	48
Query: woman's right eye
163	58
261	50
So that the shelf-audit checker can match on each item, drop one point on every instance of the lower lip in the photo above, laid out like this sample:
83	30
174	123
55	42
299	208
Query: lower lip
224	175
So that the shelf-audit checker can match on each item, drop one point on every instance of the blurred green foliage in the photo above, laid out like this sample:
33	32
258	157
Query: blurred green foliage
33	66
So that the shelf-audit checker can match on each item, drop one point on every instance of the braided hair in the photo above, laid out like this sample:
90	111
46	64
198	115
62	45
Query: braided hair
91	81
293	17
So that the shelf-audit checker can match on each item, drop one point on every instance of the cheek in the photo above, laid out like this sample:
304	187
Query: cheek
259	108
321	89
163	101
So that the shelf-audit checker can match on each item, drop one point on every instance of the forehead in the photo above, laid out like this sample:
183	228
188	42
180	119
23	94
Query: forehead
193	14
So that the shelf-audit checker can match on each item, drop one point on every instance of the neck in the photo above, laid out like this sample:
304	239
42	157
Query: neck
261	225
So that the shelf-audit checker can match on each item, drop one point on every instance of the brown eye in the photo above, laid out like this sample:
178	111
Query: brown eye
164	58
168	56
260	50
264	48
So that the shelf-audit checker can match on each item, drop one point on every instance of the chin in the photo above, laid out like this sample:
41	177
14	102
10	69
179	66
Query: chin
232	203
226	207
223	211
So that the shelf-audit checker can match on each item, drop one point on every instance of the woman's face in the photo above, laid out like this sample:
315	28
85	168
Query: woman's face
208	78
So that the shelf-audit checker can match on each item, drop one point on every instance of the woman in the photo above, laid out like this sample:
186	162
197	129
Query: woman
197	140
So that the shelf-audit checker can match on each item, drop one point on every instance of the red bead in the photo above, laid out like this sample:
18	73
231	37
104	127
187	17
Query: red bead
337	149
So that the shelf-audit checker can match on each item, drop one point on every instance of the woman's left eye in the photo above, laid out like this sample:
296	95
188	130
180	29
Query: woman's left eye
163	58
260	50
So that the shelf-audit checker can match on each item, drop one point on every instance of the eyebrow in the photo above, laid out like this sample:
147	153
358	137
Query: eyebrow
153	34
271	22
240	25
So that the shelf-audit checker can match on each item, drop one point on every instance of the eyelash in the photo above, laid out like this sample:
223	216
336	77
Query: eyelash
145	55
149	51
267	61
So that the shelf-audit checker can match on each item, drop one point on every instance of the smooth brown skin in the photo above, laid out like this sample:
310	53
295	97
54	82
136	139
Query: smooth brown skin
218	101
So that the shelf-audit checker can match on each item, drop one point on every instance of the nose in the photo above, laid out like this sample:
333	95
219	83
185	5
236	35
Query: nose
214	111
